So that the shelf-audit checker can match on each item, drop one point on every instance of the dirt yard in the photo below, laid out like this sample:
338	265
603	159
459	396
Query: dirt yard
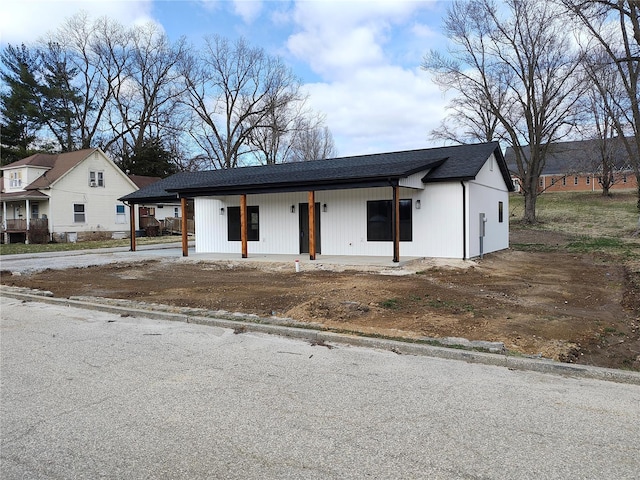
573	308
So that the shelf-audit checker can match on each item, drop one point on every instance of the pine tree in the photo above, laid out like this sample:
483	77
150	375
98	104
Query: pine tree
20	117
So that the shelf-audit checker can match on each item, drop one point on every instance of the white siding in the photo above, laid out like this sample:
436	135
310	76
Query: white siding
100	202
485	193
343	226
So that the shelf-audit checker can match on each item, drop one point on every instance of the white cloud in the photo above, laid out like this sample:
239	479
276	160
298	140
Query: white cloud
372	102
380	109
28	20
249	10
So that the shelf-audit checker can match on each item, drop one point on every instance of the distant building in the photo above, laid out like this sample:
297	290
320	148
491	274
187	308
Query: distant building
64	197
578	166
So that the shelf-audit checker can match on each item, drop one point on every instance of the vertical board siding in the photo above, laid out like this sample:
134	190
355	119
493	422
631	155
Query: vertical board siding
343	226
485	196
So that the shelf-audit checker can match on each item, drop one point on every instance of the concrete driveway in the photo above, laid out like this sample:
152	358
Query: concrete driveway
88	394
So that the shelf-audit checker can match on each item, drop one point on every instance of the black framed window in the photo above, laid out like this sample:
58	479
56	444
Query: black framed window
380	221
253	224
500	212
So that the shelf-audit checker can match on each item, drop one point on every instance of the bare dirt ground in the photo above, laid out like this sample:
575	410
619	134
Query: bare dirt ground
573	308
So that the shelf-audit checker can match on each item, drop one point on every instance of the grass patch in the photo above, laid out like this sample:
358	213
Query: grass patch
390	303
21	248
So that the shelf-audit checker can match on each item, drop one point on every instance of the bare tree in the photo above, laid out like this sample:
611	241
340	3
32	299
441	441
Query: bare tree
146	100
234	89
85	43
312	142
525	70
614	25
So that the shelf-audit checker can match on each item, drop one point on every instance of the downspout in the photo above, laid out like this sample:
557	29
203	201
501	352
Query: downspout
464	220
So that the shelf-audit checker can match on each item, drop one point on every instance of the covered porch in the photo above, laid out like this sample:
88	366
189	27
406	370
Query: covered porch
25	217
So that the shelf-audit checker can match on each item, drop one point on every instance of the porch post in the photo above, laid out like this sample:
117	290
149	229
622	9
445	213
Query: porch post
4	222
312	225
395	217
243	224
27	205
132	225
185	234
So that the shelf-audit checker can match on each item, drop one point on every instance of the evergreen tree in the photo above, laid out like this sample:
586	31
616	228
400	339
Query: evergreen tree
20	117
151	159
61	100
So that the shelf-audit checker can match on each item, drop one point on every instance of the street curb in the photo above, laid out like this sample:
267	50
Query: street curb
320	337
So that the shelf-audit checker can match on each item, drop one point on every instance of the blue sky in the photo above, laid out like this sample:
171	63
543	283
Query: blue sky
359	60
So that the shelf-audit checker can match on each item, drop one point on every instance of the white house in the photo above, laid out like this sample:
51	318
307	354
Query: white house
449	202
72	196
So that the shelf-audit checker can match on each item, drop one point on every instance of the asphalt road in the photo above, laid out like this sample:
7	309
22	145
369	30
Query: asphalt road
87	394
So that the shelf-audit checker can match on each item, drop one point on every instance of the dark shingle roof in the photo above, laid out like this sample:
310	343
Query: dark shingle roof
461	162
580	156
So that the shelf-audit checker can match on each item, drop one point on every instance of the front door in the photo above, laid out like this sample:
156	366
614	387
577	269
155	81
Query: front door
303	209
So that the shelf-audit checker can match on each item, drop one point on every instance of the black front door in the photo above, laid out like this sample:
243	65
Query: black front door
303	215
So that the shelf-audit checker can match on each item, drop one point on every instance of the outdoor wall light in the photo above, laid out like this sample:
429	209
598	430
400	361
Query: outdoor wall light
222	211
417	204
293	209
324	207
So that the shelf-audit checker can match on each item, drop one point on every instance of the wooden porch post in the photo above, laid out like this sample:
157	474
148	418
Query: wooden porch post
185	233
132	226
243	224
396	223
312	225
27	206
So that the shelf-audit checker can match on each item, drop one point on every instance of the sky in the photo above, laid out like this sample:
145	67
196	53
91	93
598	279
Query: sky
358	60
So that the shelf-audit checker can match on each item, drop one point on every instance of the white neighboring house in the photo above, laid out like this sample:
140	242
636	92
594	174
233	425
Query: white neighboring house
452	202
73	196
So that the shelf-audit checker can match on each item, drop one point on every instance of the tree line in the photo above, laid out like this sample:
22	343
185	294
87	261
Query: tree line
534	72
155	106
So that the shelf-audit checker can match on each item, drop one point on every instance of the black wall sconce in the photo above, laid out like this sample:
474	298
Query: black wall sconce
324	207
293	209
417	204
222	211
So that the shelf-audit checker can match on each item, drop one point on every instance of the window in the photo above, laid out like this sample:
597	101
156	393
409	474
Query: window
96	179
175	212
575	180
564	181
624	179
588	180
500	212
35	210
253	224
542	182
553	181
78	213
379	221
15	179
121	216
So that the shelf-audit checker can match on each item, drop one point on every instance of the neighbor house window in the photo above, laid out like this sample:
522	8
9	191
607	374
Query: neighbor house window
500	212
253	224
15	179
564	181
553	181
96	179
542	182
624	179
35	210
380	221
78	213
588	180
121	216
575	180
175	212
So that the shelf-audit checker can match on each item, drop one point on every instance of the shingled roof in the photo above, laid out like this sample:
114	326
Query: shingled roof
461	162
58	165
580	156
